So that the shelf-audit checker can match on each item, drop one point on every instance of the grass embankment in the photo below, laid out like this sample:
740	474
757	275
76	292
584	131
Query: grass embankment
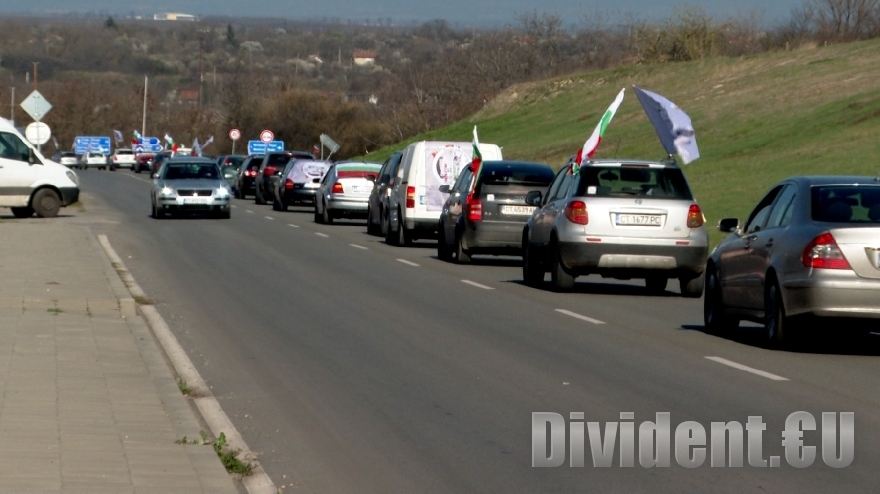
758	119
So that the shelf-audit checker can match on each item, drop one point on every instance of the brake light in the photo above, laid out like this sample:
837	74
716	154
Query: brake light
576	212
337	188
251	173
410	197
824	253
288	184
269	170
695	217
475	208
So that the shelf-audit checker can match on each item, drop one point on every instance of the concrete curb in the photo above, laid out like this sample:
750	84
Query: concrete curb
258	482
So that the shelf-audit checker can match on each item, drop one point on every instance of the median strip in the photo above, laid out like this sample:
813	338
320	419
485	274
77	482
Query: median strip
578	316
746	368
474	283
408	263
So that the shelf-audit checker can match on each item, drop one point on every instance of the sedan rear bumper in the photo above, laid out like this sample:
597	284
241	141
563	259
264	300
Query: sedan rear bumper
844	295
348	204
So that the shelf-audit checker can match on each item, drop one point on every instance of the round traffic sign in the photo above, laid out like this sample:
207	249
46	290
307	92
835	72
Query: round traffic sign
38	133
235	134
267	136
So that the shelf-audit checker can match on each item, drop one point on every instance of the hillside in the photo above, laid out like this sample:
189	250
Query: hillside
758	119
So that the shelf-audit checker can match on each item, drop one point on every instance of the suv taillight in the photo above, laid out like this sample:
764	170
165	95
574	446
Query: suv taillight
269	171
410	197
474	208
576	212
824	253
337	188
288	184
251	173
695	217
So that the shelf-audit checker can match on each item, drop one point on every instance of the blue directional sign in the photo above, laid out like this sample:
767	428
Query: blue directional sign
149	145
260	147
84	144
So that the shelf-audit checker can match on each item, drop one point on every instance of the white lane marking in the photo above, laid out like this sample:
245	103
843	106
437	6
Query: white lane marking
356	246
249	211
234	206
321	234
138	178
409	263
268	217
578	316
292	225
747	368
474	283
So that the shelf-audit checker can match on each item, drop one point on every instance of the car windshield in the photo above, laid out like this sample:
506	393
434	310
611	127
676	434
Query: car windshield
517	175
184	171
846	203
635	180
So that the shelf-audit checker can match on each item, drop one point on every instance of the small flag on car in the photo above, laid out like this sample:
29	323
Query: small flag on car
589	149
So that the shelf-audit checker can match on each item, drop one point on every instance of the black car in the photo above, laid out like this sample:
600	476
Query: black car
247	175
158	159
270	173
486	215
376	203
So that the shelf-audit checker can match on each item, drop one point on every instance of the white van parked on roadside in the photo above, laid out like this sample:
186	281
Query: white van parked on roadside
414	200
29	182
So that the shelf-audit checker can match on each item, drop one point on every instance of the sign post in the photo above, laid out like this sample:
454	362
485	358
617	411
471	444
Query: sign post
37	107
235	135
330	144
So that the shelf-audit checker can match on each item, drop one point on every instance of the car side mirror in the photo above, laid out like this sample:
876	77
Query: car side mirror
728	225
533	198
444	188
155	176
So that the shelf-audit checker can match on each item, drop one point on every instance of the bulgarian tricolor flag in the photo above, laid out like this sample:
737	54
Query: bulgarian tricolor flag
477	160
589	149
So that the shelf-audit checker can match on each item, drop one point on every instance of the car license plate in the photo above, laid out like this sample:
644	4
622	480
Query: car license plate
639	219
517	209
361	188
196	200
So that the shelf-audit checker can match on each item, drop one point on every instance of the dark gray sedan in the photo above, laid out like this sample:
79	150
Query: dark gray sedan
190	185
811	247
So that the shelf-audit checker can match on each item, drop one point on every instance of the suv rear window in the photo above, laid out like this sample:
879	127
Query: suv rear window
627	181
278	159
518	175
846	203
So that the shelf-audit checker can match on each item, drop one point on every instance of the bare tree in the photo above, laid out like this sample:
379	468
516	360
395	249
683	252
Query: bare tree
845	20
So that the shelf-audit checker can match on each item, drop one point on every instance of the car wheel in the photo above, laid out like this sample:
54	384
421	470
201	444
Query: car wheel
714	319
383	225
158	213
404	237
561	280
391	237
692	287
444	253
46	203
137	169
775	320
319	218
533	273
225	215
258	197
372	228
276	205
327	216
461	255
25	212
656	284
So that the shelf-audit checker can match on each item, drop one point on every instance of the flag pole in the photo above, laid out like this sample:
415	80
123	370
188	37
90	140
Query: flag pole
144	122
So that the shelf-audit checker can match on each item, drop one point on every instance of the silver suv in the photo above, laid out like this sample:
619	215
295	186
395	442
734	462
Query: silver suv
618	219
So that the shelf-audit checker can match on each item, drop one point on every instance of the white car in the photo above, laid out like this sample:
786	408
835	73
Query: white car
123	158
93	160
67	158
345	191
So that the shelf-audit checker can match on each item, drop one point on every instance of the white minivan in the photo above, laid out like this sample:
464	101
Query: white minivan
29	182
414	197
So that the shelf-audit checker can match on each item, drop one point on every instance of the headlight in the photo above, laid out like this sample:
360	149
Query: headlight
73	178
221	192
167	191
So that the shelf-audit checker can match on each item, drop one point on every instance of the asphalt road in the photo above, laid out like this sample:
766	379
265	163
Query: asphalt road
352	366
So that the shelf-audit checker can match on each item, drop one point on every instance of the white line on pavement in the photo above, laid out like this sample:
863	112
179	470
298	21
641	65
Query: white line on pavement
268	217
747	369
321	234
474	283
292	225
249	211
356	246
578	316
409	263
234	206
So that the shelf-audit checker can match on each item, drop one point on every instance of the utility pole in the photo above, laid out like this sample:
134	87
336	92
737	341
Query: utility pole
201	76
35	74
12	109
144	123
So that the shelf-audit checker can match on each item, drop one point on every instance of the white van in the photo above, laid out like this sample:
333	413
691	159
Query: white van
29	182
414	200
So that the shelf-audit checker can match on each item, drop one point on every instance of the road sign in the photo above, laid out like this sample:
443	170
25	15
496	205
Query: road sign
36	106
267	136
84	144
329	143
38	133
235	135
259	147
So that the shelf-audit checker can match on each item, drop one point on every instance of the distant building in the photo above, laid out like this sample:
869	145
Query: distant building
364	57
188	96
175	17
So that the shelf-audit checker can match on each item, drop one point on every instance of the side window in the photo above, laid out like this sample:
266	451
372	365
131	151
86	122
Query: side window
761	212
465	181
327	176
384	174
12	148
782	209
554	186
562	191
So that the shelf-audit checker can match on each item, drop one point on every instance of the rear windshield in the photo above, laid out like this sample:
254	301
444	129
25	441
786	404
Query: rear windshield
278	159
357	171
235	161
124	151
182	171
517	175
846	203
624	181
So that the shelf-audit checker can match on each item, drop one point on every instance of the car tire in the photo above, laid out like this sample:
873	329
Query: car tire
319	218
444	253
383	225
692	287
533	272
372	228
276	205
25	212
327	216
46	203
561	280
404	237
461	255
158	214
258	197
656	284
225	215
137	169
715	321
391	237
775	320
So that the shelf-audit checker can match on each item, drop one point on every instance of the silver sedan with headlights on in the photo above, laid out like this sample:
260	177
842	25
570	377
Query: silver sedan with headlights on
811	247
190	185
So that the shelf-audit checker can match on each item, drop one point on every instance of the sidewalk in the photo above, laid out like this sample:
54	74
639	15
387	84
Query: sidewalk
87	401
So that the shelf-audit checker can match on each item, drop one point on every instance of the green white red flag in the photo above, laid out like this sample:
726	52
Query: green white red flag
477	160
589	149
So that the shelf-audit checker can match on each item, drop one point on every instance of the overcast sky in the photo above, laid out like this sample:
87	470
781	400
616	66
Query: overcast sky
456	11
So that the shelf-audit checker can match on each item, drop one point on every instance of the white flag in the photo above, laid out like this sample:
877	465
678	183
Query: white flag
196	149
672	124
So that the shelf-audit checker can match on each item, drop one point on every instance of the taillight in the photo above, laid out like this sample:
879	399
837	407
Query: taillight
251	173
288	184
695	217
410	197
823	253
474	208
576	212
269	170
337	188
